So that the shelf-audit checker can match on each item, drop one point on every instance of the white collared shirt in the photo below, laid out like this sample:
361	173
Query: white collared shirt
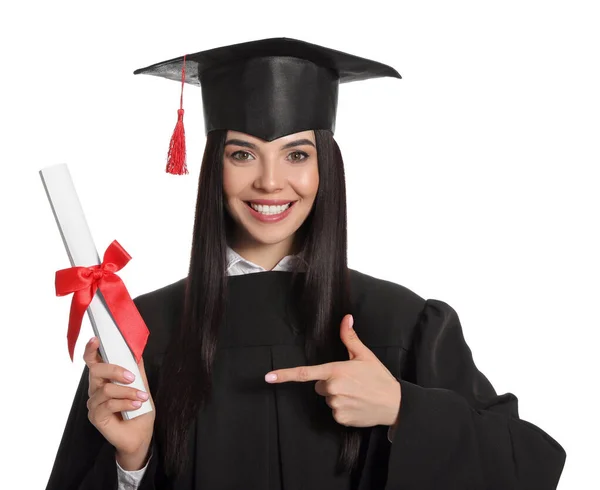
238	265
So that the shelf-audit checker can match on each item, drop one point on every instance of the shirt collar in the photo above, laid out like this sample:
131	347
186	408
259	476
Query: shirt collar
237	265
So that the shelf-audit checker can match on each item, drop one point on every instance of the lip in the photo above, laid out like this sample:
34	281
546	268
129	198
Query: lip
270	218
270	202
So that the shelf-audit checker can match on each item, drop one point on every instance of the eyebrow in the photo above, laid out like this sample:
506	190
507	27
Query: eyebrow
245	144
291	144
301	142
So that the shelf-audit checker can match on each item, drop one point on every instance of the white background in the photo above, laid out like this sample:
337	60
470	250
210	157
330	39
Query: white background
472	180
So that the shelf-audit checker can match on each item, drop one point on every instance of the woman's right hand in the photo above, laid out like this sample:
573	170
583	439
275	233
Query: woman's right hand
131	438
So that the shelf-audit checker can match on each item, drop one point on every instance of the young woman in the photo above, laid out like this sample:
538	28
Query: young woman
273	365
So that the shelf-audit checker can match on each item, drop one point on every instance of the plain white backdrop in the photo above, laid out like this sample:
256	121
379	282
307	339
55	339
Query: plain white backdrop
472	180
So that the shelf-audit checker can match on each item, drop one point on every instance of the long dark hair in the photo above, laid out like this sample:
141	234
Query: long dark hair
324	297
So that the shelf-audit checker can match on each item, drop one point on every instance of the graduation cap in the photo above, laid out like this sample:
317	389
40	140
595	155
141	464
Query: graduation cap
267	88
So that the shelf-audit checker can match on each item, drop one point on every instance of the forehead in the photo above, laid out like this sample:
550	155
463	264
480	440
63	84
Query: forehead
309	135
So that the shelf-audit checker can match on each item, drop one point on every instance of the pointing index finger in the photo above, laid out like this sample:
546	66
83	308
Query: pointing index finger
301	374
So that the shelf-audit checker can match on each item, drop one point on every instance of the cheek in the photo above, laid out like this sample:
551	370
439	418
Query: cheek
307	182
232	184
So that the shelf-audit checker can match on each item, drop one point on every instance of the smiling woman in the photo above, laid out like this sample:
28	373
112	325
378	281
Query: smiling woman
273	364
267	183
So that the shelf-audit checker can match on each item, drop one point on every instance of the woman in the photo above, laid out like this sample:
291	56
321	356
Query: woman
273	365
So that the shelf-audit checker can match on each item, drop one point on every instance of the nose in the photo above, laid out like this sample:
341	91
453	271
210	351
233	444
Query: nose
270	176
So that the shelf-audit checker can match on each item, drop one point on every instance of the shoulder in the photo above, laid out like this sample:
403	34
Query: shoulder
161	309
385	312
165	297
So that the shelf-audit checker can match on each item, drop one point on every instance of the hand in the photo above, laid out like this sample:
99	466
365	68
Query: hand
131	438
361	392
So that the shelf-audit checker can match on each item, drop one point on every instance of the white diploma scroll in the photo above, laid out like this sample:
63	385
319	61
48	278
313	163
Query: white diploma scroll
82	252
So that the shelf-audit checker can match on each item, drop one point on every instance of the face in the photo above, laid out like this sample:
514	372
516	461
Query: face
269	187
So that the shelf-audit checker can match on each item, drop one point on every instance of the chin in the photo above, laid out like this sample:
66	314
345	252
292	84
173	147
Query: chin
269	237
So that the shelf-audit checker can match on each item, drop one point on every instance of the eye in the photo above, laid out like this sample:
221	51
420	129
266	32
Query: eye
298	156
241	155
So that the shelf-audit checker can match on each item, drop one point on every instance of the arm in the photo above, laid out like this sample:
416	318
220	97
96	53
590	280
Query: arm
85	459
453	430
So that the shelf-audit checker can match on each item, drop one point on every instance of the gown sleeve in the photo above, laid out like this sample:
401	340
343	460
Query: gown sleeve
85	459
453	430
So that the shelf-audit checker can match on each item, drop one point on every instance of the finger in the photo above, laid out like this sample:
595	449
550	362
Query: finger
111	372
90	354
350	339
302	373
341	417
108	408
329	387
321	388
92	357
111	390
333	402
102	373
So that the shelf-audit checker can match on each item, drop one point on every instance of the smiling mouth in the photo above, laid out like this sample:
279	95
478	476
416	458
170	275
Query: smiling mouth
270	210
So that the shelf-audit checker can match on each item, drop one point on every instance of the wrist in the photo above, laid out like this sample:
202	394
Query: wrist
395	406
135	460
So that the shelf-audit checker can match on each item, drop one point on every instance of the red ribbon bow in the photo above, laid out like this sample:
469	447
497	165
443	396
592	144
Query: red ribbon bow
85	281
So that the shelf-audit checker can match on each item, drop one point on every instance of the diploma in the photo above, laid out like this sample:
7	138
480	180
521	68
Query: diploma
82	252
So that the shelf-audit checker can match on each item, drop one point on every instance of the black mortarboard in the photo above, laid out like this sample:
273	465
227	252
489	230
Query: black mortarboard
268	88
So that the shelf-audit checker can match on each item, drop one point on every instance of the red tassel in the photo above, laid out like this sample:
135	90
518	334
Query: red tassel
176	164
176	161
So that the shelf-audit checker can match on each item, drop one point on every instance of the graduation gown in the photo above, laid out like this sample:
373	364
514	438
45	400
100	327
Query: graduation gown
454	431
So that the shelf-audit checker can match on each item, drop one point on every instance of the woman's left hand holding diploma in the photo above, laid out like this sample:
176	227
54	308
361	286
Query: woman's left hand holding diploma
361	391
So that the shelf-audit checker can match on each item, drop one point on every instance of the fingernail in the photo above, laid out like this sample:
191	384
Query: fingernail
351	322
128	376
91	340
142	395
136	403
270	377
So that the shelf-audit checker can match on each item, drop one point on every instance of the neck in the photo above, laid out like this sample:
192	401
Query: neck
263	254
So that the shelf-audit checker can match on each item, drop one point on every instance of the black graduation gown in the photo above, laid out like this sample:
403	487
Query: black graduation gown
454	431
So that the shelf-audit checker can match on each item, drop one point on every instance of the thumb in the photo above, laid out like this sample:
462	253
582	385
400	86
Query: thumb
350	339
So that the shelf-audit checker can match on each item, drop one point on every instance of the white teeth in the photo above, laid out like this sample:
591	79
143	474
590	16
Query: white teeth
263	209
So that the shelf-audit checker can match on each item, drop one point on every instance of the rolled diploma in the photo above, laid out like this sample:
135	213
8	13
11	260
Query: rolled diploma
82	252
